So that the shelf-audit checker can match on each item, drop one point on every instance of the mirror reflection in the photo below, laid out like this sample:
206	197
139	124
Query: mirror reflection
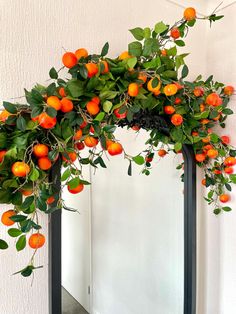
123	252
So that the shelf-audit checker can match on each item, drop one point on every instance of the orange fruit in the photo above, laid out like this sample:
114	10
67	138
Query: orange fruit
142	77
207	147
212	153
194	133
46	122
149	158
54	102
198	91
83	125
106	67
50	200
179	87
214	100
79	145
175	33
204	121
115	149
202	107
92	69
169	109
225	139
62	92
2	154
203	181
133	89
81	53
217	171
200	157
77	189
224	198
230	161
96	99
162	152
44	163
92	108
40	150
206	139
124	55
217	117
170	89
178	101
69	59
229	170
119	115
189	14
36	240
154	90
66	105
27	192
20	169
108	142
78	135
177	119
4	115
72	157
164	52
90	141
135	128
6	217
228	90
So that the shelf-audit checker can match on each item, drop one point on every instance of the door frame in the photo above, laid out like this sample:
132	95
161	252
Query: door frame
190	232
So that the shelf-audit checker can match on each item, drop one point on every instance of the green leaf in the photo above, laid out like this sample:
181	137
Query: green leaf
27	202
184	71
34	175
21	243
18	218
138	33
178	147
21	123
151	46
180	43
26	272
83	71
14	232
233	178
227	208
100	116
51	112
105	49
107	105
139	160
108	94
73	183
75	88
154	63
10	107
160	27
217	211
53	73
66	174
130	168
227	111
36	111
147	32
135	48
131	62
172	51
3	245
100	161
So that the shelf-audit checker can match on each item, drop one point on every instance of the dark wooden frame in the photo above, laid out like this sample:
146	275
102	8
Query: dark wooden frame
189	239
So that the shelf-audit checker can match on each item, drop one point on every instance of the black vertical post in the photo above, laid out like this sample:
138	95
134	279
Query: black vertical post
190	226
55	298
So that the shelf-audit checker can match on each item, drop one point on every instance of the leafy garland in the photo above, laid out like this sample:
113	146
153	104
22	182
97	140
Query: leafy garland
144	87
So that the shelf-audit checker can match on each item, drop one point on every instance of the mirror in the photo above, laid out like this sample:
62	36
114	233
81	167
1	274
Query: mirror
127	242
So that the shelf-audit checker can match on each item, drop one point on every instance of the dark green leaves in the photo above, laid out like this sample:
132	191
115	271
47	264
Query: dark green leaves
100	161
14	232
53	74
10	107
105	49
75	88
138	33
135	48
184	71
21	123
3	245
21	243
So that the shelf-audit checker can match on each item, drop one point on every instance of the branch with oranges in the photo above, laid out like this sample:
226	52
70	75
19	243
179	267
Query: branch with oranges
73	121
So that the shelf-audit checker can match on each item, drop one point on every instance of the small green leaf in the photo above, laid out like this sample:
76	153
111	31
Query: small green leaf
132	62
217	211
184	71
18	218
227	208
73	183
53	74
3	245
21	243
180	43
100	161
100	116
135	48
66	174
83	71
147	32
21	123
233	178
10	107
138	33
105	49
130	168
139	160
26	272
178	147
160	27
107	105
34	175
14	232
27	202
51	112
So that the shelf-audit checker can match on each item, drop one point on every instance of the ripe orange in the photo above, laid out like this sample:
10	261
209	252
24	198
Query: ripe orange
79	145
20	169
207	147
133	89
96	99
202	107
6	217
217	171
214	100
154	90
198	91
204	121
175	33
229	170
119	115
189	14
224	198
212	153
83	125
40	150
135	128
36	240
69	59
92	108
203	181
46	122
200	157
170	89
78	135
162	152
225	139
169	109
77	189
179	87
66	105
228	90
115	149
164	52
217	117
142	77
54	102
50	200
62	92
44	163
81	53
206	139
149	158
177	119
178	101
2	154
92	69
27	192
124	55
90	141
194	133
106	67
72	157
4	115
230	161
